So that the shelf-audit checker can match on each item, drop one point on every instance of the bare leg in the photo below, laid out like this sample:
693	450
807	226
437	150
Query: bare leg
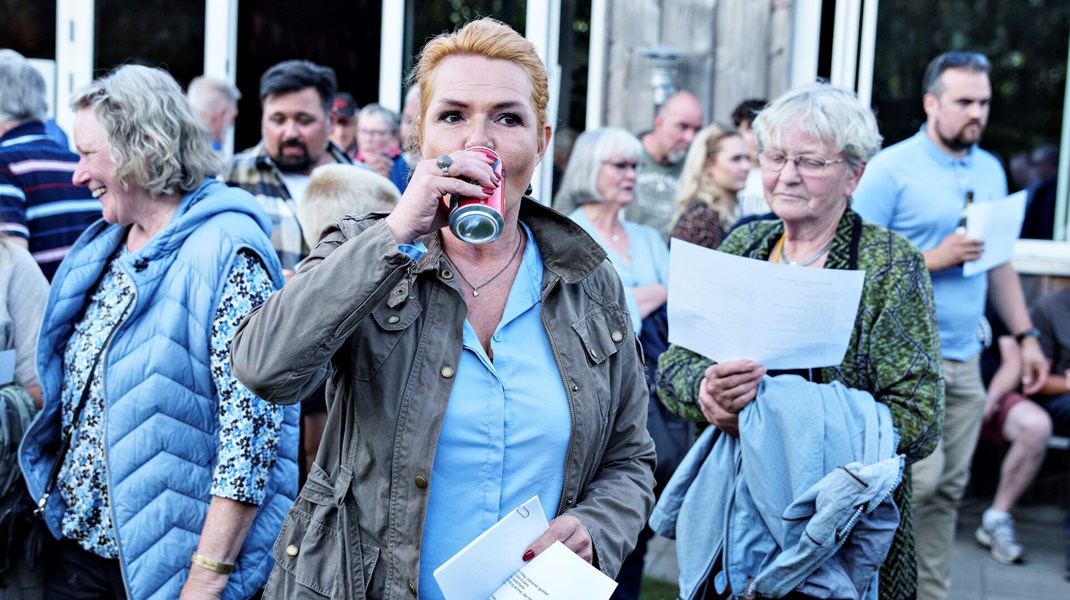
1027	428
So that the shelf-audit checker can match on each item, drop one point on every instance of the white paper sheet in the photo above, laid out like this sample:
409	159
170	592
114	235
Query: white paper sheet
998	224
491	559
556	573
727	307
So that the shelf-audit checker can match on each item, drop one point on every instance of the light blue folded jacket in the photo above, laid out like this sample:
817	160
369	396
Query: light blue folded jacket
801	500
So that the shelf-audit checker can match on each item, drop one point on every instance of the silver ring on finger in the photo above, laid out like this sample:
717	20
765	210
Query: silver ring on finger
444	163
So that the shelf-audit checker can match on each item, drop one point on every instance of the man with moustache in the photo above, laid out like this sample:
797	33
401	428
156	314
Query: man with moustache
296	101
664	149
918	188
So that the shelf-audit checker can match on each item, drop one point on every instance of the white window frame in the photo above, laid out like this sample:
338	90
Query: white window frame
75	24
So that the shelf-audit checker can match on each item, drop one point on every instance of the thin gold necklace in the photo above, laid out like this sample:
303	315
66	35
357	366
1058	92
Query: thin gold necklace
475	288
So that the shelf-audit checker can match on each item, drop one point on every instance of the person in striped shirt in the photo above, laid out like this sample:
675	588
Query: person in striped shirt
40	208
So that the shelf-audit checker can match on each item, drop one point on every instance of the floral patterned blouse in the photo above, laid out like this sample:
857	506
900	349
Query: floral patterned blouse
249	427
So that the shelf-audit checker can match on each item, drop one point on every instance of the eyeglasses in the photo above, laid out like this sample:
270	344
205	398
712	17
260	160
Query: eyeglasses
807	166
622	165
955	59
374	132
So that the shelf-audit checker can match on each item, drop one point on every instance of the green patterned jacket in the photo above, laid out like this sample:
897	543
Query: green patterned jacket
894	354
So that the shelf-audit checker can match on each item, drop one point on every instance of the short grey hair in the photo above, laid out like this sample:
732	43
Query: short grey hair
22	89
388	116
207	94
828	113
156	140
593	147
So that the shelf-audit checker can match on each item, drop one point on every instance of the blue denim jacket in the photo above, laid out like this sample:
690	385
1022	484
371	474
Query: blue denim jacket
778	505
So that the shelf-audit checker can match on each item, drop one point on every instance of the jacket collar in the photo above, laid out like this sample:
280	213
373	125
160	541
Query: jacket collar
567	250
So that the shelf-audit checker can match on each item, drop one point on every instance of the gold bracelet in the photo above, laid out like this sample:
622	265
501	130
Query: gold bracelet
212	565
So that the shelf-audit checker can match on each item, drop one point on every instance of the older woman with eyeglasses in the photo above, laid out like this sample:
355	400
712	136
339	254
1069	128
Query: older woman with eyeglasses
600	180
813	147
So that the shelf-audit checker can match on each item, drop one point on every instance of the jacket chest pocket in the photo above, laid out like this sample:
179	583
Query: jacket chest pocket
376	338
601	333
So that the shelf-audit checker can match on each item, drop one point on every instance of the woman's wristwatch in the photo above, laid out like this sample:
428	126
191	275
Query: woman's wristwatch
1032	332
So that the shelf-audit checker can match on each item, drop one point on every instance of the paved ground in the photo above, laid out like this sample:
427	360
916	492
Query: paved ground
975	576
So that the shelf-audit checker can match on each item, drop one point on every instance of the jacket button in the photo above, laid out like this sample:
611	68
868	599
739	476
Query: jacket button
447	274
412	588
447	371
393	319
575	388
593	353
617	336
291	550
421	482
568	501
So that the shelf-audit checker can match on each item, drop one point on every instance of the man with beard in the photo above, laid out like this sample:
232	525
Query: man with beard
295	99
919	188
664	149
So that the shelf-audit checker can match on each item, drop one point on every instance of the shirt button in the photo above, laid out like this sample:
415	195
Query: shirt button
393	319
497	337
291	550
412	588
447	274
617	336
447	371
421	482
593	353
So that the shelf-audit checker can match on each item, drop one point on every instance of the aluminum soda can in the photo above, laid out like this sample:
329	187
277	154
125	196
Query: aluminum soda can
480	220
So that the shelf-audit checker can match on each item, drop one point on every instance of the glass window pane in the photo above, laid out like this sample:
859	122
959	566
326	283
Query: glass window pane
1026	41
342	35
29	28
155	33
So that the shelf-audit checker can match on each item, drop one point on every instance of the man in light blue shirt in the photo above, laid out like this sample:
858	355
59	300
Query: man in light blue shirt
919	188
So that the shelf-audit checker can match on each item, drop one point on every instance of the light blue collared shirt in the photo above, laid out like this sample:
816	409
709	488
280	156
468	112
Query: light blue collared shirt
505	434
916	189
647	254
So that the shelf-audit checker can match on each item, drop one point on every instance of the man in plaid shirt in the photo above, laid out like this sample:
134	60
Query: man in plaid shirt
295	99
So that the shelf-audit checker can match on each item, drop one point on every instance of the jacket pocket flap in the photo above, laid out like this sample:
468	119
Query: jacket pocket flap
396	318
308	550
318	488
602	333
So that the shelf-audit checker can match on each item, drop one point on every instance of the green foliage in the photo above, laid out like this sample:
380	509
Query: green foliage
656	589
1026	41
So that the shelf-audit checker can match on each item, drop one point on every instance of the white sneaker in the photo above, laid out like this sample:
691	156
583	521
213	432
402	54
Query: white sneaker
1001	540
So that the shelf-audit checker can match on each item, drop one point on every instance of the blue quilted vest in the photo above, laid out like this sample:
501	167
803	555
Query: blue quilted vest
161	406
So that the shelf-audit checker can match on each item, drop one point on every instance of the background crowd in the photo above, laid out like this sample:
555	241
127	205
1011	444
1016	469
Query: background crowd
375	353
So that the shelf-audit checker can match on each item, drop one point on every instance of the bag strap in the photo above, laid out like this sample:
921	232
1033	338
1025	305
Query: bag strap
68	435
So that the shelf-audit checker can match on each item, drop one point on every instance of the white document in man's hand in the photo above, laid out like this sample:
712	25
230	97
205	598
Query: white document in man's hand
727	307
488	561
998	224
556	573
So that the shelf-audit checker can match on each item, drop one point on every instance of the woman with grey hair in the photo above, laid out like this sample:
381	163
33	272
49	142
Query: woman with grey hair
378	145
157	470
600	180
813	147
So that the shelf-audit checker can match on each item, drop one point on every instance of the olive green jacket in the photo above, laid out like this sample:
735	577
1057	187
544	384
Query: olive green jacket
392	329
894	354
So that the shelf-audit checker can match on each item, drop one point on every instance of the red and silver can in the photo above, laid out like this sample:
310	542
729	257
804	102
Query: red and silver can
480	220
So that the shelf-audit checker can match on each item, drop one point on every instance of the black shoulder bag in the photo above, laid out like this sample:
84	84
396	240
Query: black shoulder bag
23	531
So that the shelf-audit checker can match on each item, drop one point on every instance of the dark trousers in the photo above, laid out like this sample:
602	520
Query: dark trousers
72	572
